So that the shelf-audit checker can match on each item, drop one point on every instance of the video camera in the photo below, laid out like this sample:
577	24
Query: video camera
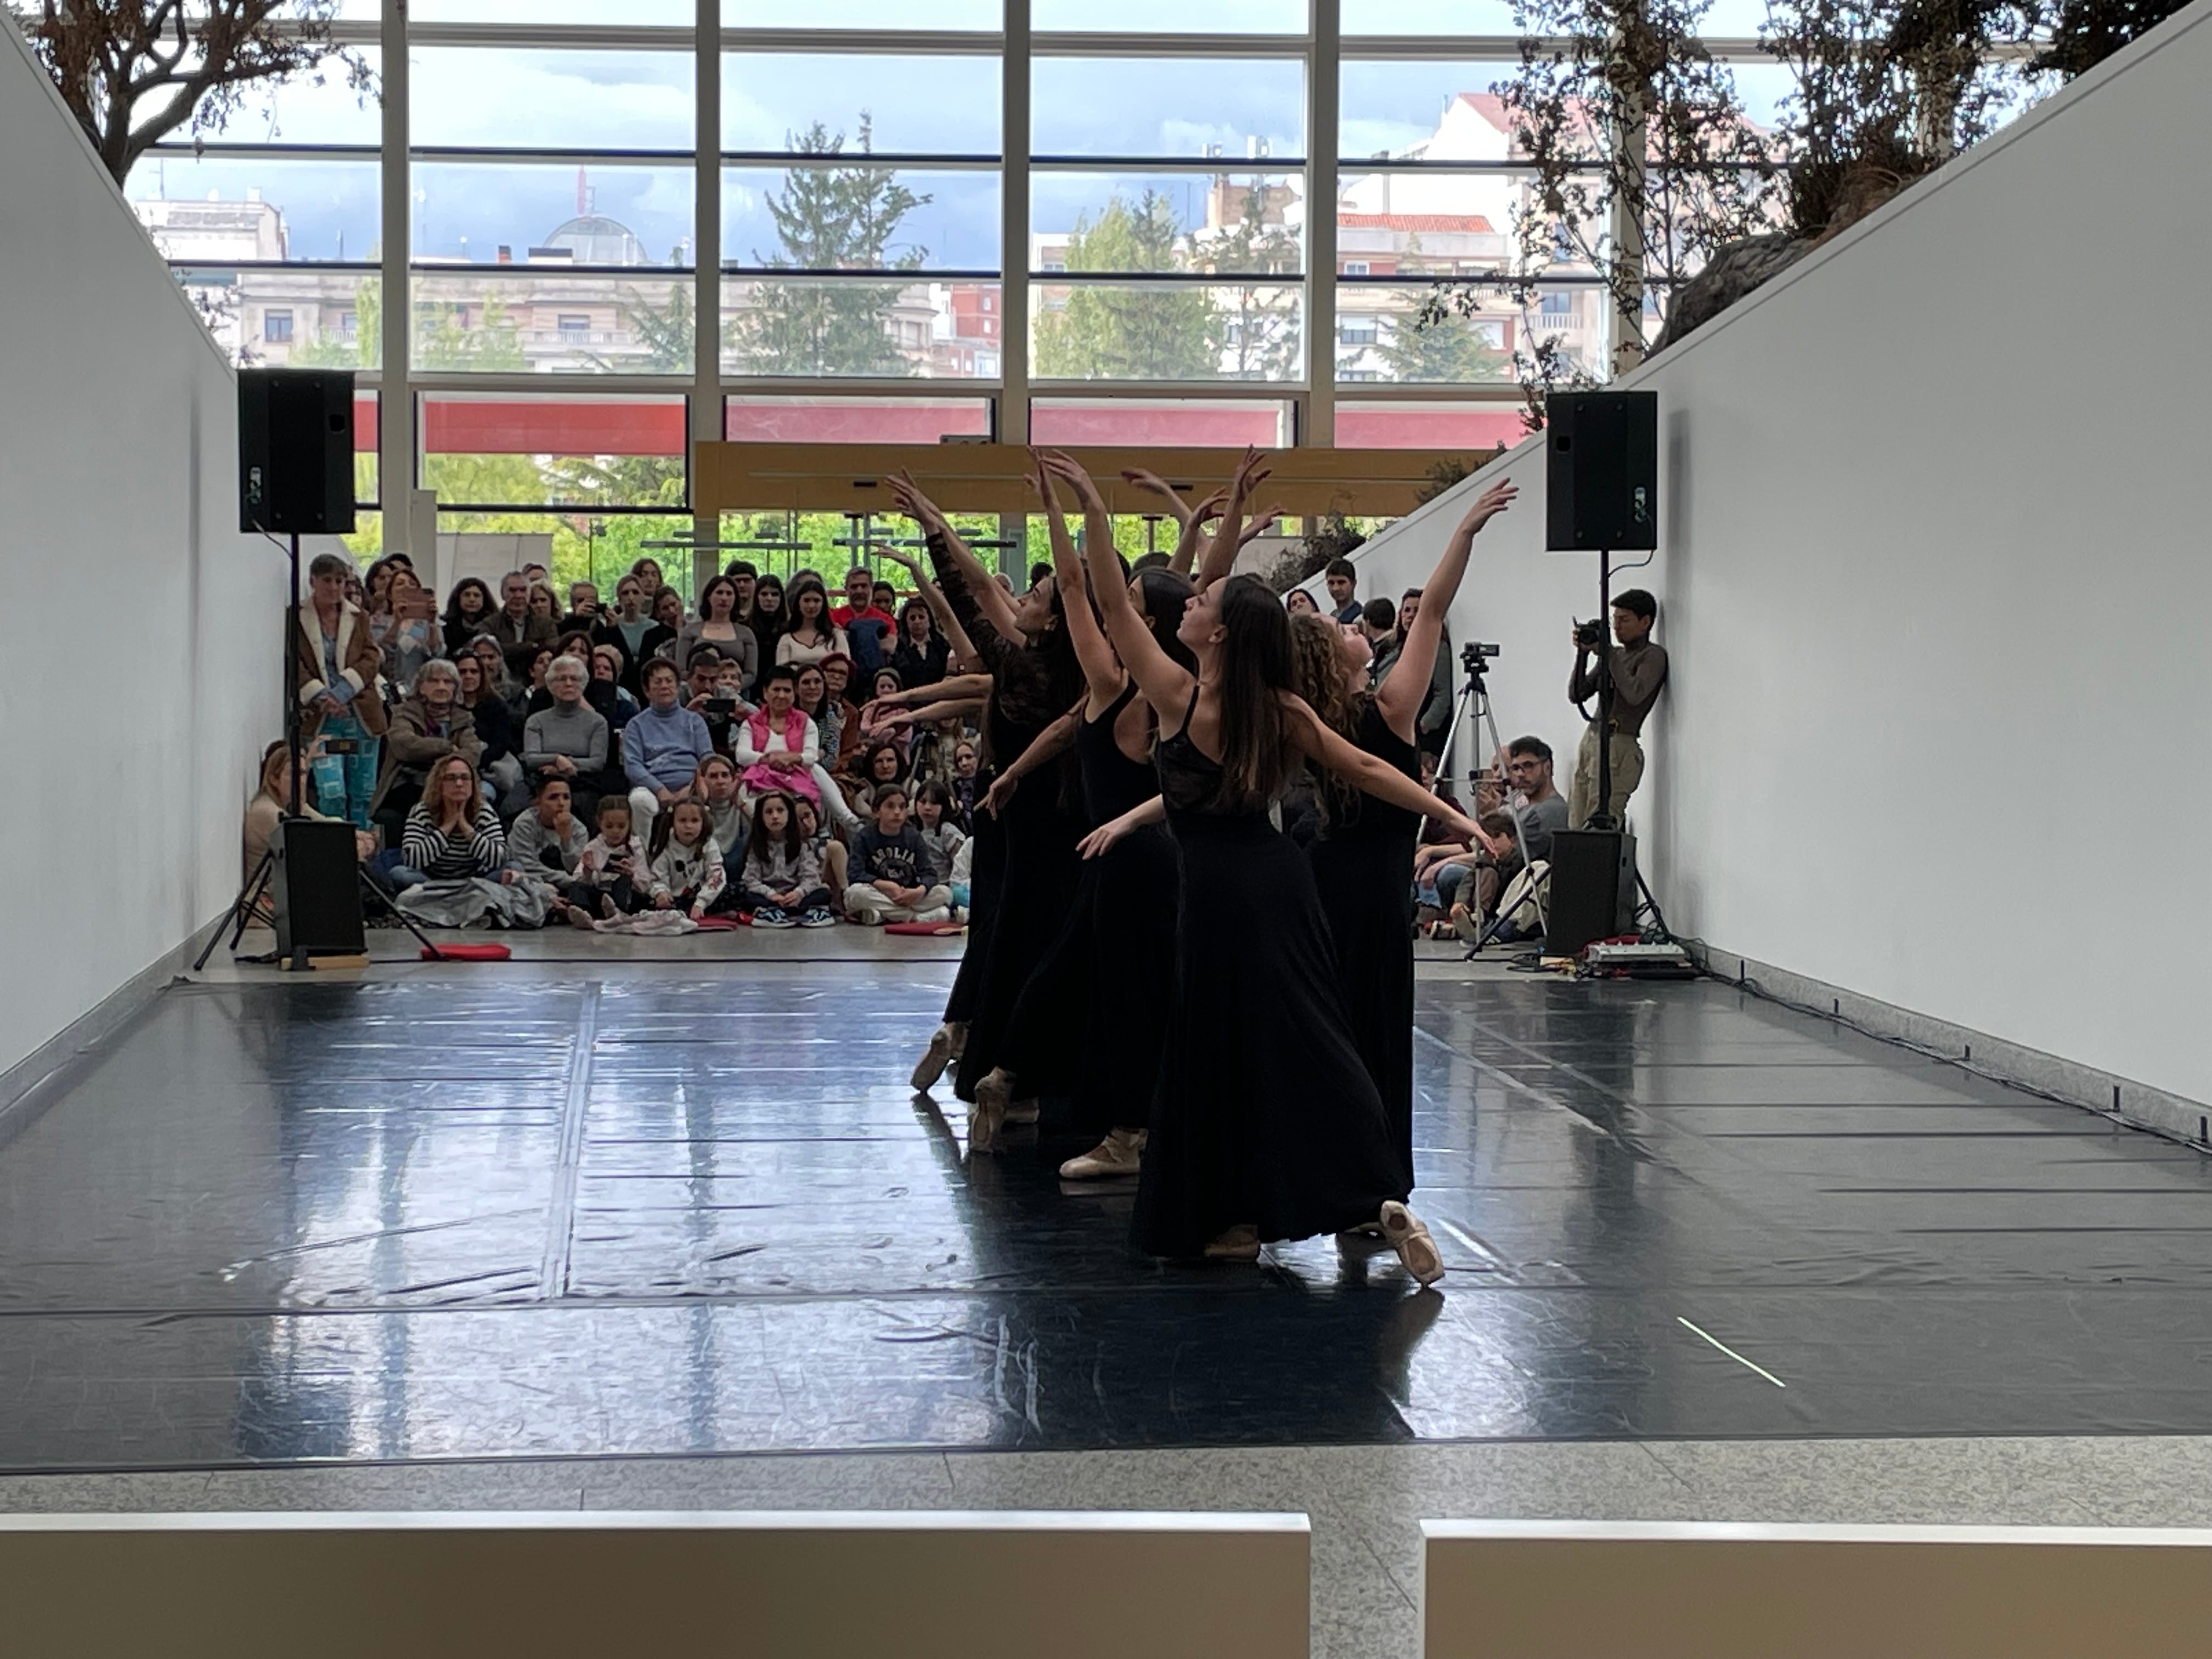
1471	654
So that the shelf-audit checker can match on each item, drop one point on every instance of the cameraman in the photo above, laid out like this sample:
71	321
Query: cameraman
1637	668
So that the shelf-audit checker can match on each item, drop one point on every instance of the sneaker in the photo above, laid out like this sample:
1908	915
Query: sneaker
579	917
932	1065
773	916
1415	1248
820	916
1464	924
1119	1154
934	917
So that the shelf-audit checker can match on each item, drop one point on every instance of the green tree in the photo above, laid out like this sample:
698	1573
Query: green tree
1445	349
1112	333
1256	328
668	334
831	217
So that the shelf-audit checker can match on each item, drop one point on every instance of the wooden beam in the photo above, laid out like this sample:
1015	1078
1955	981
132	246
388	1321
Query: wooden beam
753	478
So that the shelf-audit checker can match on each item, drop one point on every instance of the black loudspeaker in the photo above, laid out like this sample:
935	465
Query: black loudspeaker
1593	888
295	451
1601	471
317	891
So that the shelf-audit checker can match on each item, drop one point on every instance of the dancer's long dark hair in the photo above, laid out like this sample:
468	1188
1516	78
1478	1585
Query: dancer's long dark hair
1163	596
1257	758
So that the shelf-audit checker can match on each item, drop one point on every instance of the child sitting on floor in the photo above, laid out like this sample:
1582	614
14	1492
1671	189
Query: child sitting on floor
781	881
611	871
687	872
895	875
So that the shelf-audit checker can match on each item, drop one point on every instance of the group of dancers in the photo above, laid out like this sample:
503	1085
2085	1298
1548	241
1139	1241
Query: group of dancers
1231	1014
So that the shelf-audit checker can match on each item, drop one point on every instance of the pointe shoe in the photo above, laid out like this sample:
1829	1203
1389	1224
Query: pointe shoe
989	1113
939	1055
1019	1112
1237	1244
1415	1248
1119	1154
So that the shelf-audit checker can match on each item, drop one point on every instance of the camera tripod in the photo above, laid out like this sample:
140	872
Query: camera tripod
1474	698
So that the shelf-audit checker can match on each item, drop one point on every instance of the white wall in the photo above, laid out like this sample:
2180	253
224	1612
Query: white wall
1934	586
140	671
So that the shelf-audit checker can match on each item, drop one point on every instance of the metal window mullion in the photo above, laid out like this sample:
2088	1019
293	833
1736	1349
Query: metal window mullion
1013	423
399	456
1317	430
706	421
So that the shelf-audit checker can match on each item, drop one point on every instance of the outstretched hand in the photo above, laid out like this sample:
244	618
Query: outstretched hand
1066	467
1101	840
1000	792
1488	505
911	502
1210	506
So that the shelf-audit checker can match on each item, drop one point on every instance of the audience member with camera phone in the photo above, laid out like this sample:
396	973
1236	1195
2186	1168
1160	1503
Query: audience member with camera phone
1637	668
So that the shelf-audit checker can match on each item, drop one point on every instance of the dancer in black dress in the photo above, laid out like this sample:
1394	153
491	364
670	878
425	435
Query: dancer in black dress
1363	859
1121	932
1021	896
1266	1125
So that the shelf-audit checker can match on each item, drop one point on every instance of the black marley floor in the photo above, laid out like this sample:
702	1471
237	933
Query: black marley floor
692	1210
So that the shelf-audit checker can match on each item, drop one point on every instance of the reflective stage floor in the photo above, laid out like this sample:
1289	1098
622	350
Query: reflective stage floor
689	1209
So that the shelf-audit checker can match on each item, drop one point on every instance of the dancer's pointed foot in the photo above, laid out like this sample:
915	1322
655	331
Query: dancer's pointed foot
1237	1244
1410	1239
1120	1154
990	1112
941	1053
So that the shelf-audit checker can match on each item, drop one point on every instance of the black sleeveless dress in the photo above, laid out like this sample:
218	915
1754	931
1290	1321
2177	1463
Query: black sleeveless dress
1265	1113
1121	932
1362	866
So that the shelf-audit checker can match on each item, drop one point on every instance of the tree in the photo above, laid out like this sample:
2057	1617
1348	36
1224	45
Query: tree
1113	333
2085	33
668	334
1256	328
831	218
135	71
1449	349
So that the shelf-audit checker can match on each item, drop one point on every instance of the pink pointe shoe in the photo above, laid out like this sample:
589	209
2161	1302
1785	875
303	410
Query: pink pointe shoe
1411	1242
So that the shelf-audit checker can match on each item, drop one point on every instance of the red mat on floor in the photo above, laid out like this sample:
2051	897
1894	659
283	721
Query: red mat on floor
466	953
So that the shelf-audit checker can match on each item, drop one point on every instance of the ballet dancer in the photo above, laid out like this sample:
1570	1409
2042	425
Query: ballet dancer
1266	1125
1363	859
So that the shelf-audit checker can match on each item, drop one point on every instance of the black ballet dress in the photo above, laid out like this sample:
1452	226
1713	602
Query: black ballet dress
1036	867
1362	866
1265	1113
1120	934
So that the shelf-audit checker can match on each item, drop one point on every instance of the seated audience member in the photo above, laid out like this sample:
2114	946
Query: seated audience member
716	788
499	761
922	652
810	635
895	875
568	738
527	668
1535	801
780	880
767	617
868	630
933	816
576	646
270	802
451	834
611	871
667	628
966	783
648	571
408	632
498	679
717	625
777	747
608	694
631	622
743	573
827	848
662	747
1342	580
962	888
886	598
877	767
815	702
424	730
516	624
543	606
468	611
706	696
545	840
583	613
685	872
731	684
335	666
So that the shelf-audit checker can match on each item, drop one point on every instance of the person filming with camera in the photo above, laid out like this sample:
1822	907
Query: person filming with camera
1637	668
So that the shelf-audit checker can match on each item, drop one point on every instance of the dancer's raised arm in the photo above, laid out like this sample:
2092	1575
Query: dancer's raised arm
952	685
1364	771
991	601
1166	683
1402	695
1221	554
1193	531
1155	484
1102	669
959	648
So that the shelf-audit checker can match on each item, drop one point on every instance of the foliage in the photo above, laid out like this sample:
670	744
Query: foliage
1451	348
668	334
1129	334
1325	539
2085	33
1254	329
134	72
831	217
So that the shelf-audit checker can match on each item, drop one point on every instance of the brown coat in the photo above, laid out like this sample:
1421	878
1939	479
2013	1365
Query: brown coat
363	662
408	743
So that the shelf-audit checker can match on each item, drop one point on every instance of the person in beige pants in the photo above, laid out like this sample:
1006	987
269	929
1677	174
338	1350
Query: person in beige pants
1639	672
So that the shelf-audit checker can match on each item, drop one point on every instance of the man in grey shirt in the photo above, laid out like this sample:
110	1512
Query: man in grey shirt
1638	671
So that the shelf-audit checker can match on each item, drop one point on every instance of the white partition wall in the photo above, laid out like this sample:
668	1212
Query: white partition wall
140	672
1572	1589
1932	581
645	1586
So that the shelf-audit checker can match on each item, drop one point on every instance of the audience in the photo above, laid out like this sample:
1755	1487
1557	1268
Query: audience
336	665
497	760
767	618
270	802
451	834
406	628
568	738
1298	602
718	625
716	788
546	841
1342	580
631	621
515	625
424	729
810	636
667	628
777	747
686	871
663	746
610	871
922	653
781	881
616	705
868	630
895	877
